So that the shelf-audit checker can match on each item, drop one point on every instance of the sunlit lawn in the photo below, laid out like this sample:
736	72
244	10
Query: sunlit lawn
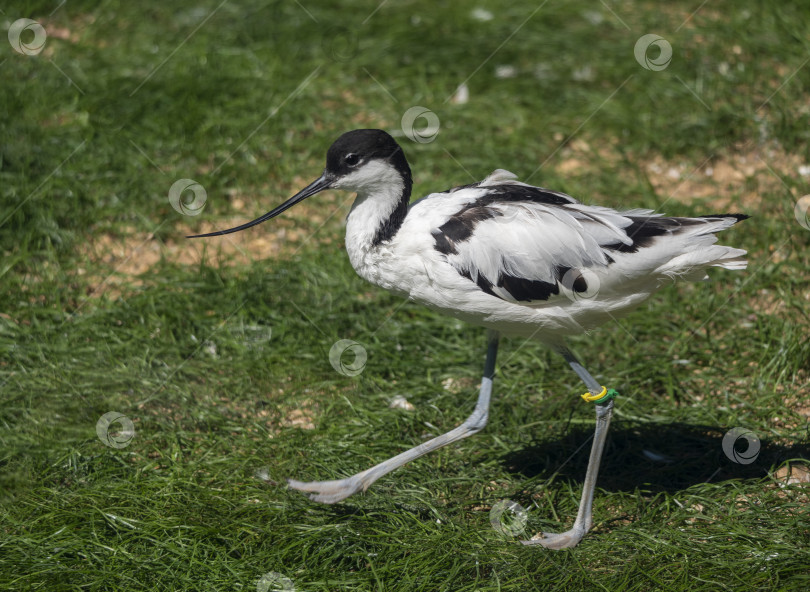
217	350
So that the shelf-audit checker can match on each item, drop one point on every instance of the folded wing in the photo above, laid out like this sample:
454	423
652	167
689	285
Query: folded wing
528	245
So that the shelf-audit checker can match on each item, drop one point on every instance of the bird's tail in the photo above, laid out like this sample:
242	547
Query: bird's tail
702	252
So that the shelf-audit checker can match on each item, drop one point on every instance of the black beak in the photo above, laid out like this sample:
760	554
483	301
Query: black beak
322	183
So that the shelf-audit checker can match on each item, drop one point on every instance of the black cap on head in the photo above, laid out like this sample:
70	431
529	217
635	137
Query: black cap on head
359	146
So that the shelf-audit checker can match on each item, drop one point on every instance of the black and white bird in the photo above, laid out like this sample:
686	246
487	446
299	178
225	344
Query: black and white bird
517	259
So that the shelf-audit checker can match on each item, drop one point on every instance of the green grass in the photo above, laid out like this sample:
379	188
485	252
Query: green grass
220	366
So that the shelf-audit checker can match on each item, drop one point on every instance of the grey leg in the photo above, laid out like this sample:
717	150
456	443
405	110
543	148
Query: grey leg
584	518
330	492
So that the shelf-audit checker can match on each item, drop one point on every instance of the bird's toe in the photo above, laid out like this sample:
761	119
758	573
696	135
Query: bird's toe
556	541
326	492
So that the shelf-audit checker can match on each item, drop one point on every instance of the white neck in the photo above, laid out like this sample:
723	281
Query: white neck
379	189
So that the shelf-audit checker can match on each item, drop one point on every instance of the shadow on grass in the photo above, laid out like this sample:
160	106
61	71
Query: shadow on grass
653	457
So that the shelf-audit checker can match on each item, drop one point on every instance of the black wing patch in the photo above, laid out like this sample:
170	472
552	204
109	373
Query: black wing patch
513	193
510	192
460	227
643	230
527	290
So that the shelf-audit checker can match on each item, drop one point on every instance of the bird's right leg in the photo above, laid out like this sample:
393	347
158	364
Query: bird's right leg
584	519
330	492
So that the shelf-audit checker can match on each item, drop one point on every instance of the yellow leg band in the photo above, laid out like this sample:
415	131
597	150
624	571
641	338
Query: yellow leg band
599	397
590	397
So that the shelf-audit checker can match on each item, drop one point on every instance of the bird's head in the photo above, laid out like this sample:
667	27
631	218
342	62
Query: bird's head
364	160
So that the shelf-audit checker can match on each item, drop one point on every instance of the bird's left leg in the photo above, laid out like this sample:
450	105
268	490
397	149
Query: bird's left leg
584	518
330	492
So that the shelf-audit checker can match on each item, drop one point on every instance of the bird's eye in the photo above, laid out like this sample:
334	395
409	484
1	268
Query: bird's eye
352	159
